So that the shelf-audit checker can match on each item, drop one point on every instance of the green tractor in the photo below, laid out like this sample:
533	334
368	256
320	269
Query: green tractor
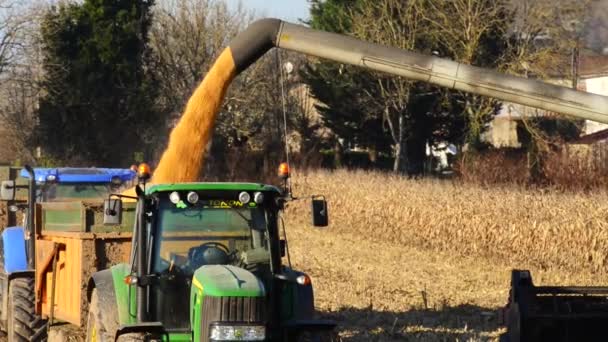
206	265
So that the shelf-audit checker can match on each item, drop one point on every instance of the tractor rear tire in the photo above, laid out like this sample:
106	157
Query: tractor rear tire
96	325
23	323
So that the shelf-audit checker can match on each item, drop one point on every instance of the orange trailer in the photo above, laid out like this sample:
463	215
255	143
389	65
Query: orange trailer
71	244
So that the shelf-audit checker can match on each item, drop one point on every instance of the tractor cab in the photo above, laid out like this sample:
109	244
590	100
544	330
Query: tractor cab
215	236
207	265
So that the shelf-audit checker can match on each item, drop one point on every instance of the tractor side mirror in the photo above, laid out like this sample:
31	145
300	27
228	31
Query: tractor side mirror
7	190
320	217
283	247
112	211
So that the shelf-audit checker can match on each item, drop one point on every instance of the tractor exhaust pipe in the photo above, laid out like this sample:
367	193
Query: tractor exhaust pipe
30	227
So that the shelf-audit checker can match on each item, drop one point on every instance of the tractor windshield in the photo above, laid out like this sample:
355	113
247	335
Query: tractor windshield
209	232
77	191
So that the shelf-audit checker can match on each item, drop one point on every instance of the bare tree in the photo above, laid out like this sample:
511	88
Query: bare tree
9	31
186	37
20	74
471	32
399	24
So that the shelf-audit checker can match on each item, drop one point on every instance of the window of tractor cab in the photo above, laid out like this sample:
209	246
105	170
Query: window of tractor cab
77	191
208	232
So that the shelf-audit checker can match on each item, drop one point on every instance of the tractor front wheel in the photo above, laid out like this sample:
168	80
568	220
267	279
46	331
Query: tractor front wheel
132	337
23	323
96	325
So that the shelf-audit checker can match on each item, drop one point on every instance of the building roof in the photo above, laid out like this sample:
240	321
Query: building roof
592	138
593	66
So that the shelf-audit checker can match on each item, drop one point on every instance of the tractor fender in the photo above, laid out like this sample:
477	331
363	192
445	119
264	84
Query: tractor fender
304	300
14	256
103	282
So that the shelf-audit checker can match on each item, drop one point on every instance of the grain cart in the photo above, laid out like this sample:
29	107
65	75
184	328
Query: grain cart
33	257
205	266
575	304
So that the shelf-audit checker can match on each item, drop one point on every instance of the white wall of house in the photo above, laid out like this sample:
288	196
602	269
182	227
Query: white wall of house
502	132
595	85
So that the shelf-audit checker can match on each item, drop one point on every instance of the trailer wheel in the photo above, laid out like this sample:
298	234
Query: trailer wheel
23	323
96	325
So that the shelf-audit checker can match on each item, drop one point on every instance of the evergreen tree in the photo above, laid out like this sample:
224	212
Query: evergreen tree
98	102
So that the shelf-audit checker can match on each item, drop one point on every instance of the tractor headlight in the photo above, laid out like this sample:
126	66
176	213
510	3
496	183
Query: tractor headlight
258	198
237	333
244	197
192	197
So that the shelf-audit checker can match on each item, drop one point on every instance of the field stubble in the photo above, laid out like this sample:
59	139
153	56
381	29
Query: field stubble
427	260
522	227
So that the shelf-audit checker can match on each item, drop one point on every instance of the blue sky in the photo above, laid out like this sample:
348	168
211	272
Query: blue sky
290	10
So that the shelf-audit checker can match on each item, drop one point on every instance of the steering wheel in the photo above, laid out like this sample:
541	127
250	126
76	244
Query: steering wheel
170	267
209	253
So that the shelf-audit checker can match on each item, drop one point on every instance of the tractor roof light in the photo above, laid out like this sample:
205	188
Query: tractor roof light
244	197
258	198
174	197
192	197
143	171
283	170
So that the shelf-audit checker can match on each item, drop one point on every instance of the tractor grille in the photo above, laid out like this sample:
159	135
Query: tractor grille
231	309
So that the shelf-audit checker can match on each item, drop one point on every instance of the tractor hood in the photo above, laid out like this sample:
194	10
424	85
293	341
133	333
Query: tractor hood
225	295
227	281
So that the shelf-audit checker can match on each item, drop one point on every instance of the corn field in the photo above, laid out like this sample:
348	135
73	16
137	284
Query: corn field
521	227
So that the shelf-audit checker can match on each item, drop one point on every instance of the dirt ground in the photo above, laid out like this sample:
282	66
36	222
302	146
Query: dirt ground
380	291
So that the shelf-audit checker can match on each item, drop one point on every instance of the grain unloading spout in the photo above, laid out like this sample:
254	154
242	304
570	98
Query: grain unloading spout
261	36
264	34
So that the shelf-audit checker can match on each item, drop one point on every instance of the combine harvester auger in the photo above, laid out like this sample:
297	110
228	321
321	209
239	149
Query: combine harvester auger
206	259
265	34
